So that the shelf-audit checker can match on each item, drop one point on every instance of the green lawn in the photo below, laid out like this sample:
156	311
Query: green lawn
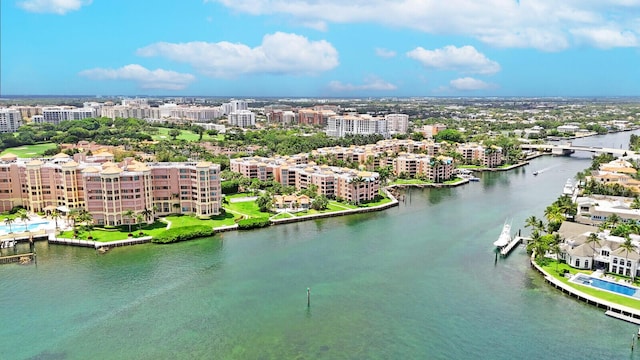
163	134
550	268
29	151
122	232
409	182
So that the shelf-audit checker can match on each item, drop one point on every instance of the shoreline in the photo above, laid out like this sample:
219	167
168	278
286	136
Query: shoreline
388	190
621	310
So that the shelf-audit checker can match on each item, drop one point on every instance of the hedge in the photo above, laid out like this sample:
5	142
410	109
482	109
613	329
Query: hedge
183	233
253	223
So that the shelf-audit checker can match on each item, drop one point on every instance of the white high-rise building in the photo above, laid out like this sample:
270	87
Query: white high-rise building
10	120
56	114
242	118
340	126
397	123
237	105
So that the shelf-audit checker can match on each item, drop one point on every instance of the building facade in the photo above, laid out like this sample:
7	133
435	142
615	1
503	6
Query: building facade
107	190
10	120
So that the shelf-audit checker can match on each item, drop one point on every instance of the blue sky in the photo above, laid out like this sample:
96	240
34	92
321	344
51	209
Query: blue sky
321	48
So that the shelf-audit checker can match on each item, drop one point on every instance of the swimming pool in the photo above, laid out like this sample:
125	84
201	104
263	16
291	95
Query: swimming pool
607	285
18	226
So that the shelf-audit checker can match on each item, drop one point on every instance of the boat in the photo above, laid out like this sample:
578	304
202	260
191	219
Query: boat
535	173
568	187
473	178
505	236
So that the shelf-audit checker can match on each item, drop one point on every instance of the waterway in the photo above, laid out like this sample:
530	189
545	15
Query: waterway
419	281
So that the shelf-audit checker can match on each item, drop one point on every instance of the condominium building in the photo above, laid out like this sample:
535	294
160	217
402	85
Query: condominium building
56	114
397	123
242	118
477	154
106	189
331	181
10	120
436	169
319	116
340	126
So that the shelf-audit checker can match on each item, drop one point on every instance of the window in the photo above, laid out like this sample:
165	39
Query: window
577	262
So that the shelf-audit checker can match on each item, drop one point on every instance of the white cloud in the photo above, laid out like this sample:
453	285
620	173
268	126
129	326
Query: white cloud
464	59
370	84
470	84
279	53
540	24
59	7
145	78
385	53
606	38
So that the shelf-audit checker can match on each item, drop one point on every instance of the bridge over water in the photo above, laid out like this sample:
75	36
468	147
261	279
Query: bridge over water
568	149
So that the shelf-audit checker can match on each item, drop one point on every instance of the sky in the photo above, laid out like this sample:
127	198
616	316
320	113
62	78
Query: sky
320	48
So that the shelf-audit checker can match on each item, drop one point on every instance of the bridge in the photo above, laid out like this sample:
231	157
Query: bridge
568	149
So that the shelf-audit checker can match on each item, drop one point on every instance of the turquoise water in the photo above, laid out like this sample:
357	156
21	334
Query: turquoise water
419	281
19	226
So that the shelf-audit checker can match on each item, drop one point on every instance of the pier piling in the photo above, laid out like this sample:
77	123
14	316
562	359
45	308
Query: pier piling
308	297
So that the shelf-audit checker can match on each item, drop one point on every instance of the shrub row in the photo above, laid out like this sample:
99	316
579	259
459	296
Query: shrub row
183	233
254	223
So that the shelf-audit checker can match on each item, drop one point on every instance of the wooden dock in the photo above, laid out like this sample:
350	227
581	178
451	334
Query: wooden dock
17	258
504	251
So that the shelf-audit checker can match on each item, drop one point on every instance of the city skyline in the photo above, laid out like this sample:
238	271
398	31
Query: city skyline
321	49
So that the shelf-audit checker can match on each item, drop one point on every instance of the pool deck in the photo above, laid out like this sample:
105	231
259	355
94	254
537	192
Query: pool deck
622	312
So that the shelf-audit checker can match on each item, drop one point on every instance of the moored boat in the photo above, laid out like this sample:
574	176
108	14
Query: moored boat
505	236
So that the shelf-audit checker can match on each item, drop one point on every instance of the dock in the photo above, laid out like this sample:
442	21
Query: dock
622	316
18	258
98	244
505	250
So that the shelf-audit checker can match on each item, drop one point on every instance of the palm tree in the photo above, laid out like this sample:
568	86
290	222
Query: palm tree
613	220
9	221
592	240
555	248
139	219
86	218
129	215
147	213
636	203
628	246
24	216
55	214
356	182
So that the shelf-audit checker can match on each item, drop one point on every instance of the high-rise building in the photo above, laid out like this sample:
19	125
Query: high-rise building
242	118
340	126
397	123
10	120
106	189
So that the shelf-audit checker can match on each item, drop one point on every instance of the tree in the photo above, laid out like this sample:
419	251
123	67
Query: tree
534	223
55	214
592	240
9	221
147	213
174	133
613	220
129	215
24	216
320	202
356	182
635	204
264	202
139	220
628	246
